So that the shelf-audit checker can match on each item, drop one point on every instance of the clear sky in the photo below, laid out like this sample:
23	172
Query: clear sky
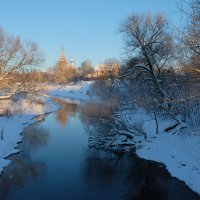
87	29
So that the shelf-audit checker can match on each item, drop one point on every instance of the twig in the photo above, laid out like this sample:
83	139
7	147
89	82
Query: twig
2	133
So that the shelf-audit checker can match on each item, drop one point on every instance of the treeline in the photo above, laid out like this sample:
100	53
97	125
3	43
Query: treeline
86	71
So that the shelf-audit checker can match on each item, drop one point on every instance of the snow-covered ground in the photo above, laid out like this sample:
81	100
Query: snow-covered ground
179	152
75	91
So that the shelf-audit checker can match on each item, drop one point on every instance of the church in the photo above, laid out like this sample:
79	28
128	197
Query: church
63	62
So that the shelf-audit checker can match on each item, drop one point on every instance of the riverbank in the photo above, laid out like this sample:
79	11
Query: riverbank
15	116
78	91
179	151
18	114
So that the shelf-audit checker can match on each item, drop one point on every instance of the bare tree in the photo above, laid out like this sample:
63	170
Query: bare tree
190	34
191	37
15	57
86	68
111	67
148	37
59	73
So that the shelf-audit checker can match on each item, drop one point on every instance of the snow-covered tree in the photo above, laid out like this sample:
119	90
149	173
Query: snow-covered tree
147	37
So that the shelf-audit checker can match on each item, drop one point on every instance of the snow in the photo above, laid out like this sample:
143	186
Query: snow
19	115
179	152
75	91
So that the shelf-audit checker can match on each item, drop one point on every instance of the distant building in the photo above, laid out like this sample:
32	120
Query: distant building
63	62
72	64
106	70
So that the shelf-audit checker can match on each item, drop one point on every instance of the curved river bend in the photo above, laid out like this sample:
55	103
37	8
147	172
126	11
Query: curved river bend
56	164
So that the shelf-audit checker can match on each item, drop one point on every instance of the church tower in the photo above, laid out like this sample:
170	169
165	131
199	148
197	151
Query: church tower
72	64
63	61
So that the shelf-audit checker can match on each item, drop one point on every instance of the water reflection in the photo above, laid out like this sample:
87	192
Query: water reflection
124	176
23	170
35	137
96	120
95	112
20	173
68	111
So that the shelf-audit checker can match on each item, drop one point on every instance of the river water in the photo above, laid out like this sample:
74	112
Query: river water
56	164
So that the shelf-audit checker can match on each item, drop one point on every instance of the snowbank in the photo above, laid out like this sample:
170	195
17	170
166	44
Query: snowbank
19	114
74	91
179	152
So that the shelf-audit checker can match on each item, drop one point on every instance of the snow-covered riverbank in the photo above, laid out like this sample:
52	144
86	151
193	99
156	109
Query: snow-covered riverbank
180	152
74	91
16	115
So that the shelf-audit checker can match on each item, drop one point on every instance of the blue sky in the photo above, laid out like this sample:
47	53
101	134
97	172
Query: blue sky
87	29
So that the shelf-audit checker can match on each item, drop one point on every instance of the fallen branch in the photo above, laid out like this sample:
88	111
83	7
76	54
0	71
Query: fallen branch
176	128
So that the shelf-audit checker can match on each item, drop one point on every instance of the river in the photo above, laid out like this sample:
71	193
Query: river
57	164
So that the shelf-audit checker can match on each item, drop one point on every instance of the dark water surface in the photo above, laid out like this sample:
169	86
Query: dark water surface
56	164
